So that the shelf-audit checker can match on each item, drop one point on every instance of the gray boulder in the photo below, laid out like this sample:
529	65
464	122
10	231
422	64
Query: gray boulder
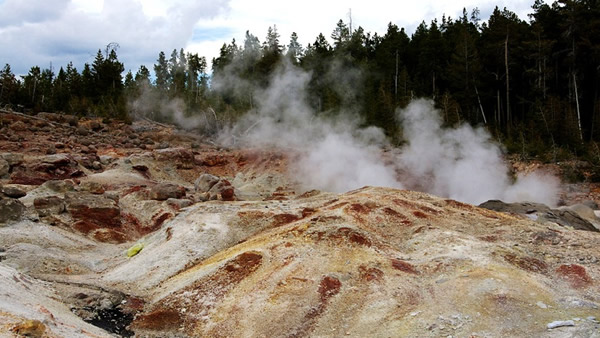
11	210
205	182
164	191
12	191
13	159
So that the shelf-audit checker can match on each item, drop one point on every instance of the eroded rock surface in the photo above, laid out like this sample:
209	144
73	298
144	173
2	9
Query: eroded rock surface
579	216
227	245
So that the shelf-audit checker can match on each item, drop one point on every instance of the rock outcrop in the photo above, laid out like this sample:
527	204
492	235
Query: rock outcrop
578	217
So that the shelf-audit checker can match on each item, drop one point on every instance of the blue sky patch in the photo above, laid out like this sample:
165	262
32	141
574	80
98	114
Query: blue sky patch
210	33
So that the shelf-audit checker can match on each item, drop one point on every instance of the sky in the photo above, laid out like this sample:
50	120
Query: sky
53	32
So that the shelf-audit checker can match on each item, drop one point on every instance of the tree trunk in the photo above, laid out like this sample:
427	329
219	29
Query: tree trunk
396	78
577	103
551	136
507	84
33	94
433	82
480	106
497	115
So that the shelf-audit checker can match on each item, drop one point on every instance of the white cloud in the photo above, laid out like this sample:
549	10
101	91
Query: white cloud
37	32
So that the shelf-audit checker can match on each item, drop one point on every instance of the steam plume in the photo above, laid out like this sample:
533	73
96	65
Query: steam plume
462	163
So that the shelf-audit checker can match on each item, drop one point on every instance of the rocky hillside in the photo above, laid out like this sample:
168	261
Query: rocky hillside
112	229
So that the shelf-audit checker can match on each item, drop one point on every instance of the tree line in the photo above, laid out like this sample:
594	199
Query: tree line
534	84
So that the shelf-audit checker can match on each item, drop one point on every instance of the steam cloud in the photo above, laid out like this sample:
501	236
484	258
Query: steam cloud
337	155
151	105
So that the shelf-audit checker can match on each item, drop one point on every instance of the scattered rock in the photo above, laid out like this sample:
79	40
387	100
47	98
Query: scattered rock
178	204
560	323
164	191
49	205
71	120
57	160
105	159
12	191
92	187
163	145
82	131
60	186
96	126
19	126
182	158
224	190
205	182
4	167
11	210
13	159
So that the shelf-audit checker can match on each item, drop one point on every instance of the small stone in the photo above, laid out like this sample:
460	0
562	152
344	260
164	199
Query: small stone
178	204
560	323
106	159
13	192
541	305
19	126
60	186
164	191
96	126
82	131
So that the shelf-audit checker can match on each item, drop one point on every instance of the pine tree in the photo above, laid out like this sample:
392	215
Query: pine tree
31	84
294	51
161	72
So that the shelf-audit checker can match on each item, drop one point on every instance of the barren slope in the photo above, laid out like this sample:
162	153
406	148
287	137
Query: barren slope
251	255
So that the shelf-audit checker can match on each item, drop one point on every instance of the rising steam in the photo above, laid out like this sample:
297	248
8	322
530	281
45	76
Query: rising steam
150	104
337	155
462	163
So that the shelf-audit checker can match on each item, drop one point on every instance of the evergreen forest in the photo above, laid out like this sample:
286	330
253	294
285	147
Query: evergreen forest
534	84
